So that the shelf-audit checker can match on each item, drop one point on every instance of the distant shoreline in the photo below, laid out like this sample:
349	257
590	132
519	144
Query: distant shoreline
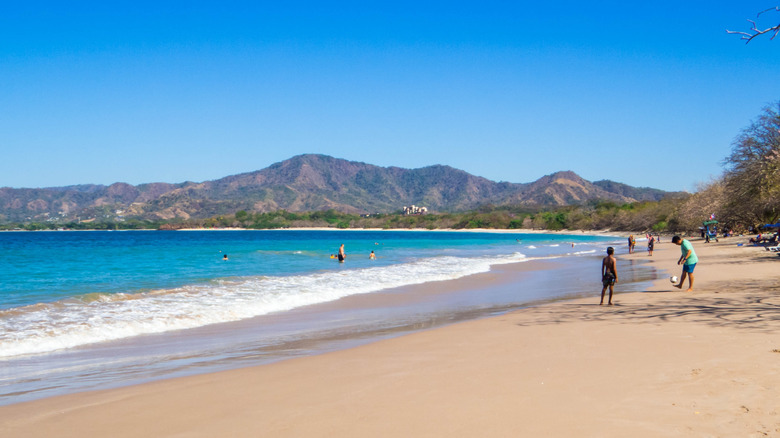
459	230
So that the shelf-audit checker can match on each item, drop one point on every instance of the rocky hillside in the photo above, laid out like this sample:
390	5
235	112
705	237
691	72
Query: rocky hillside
638	193
307	183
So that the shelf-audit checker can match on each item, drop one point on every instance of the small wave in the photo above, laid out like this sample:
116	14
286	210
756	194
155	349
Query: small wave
291	252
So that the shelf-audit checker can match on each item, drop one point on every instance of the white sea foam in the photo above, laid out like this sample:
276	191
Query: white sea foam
49	327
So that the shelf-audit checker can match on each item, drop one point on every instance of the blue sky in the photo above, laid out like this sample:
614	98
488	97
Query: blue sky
648	94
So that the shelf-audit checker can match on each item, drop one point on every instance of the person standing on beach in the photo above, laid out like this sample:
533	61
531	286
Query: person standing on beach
688	259
630	244
342	255
650	245
608	274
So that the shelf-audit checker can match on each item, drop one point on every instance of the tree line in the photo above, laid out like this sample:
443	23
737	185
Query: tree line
748	193
597	215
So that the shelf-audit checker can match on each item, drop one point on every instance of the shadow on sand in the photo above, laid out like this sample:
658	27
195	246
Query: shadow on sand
756	308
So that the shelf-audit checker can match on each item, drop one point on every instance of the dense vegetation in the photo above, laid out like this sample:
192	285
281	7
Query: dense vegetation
596	215
130	224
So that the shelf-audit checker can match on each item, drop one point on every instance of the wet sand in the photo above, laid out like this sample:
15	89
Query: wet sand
665	363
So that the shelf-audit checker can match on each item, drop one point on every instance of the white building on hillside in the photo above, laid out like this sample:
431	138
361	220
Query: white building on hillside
415	210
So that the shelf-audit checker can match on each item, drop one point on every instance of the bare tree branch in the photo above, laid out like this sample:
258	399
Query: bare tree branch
755	31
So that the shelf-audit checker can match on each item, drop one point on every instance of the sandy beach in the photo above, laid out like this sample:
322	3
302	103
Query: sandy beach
659	363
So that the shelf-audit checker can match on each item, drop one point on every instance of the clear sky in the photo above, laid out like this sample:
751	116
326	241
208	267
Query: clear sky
644	93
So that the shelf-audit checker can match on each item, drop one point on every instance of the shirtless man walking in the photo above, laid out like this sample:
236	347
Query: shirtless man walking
608	274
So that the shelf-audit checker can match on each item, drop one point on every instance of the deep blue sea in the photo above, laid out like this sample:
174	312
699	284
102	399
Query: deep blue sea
85	310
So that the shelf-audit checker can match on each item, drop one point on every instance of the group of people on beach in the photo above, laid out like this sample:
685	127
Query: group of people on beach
764	238
651	241
688	260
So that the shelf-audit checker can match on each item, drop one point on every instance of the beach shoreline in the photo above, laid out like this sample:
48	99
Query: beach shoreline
599	233
663	363
608	233
334	308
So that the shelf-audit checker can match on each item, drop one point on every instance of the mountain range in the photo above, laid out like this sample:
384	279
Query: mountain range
308	183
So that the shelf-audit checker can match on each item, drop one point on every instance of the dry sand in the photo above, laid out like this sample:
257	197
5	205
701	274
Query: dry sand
660	364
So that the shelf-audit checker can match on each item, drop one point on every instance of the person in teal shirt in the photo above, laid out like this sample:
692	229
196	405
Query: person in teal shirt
688	259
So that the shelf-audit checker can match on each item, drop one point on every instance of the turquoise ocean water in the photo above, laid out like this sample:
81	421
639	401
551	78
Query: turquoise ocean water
86	310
